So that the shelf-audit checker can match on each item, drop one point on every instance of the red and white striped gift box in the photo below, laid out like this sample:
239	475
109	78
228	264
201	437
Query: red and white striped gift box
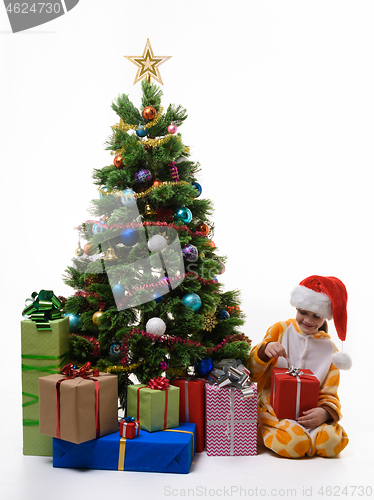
231	421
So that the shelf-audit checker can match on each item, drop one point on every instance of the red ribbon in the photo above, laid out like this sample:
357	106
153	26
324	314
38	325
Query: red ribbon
159	383
70	372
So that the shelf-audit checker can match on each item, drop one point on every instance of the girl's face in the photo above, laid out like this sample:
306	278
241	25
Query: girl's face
308	321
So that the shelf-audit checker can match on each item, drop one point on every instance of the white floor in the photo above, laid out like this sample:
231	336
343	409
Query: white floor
265	475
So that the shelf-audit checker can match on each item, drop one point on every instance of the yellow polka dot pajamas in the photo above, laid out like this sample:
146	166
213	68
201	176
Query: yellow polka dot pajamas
287	437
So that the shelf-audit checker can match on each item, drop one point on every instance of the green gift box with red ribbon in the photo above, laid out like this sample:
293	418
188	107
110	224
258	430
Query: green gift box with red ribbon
155	406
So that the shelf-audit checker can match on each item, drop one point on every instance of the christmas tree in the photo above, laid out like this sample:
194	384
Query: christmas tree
147	299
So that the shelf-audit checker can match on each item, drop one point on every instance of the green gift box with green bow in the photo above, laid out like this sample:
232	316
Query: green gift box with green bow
45	350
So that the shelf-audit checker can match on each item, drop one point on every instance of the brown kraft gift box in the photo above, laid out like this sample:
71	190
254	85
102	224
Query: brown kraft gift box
77	407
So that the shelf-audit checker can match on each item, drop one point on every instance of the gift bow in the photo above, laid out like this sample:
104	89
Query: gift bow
129	419
71	372
232	373
160	383
44	307
295	372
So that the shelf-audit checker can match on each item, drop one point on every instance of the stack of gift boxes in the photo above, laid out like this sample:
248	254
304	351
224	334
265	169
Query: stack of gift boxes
72	413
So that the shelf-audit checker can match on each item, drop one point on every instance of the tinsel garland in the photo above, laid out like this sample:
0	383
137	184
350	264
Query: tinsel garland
178	340
126	126
230	338
152	143
148	286
139	225
143	194
116	368
166	281
168	339
176	373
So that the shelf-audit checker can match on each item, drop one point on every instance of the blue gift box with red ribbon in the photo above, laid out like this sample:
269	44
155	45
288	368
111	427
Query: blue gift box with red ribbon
170	451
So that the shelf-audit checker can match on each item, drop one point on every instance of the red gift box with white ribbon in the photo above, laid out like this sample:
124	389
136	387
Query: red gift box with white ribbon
293	391
129	428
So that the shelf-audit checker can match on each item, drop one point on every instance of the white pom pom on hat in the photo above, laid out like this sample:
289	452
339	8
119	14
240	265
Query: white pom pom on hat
327	297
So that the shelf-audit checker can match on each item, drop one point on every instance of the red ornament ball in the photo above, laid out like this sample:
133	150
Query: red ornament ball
157	183
149	112
118	161
234	310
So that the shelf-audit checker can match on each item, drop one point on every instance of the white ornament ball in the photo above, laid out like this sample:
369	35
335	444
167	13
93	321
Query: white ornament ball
157	243
156	326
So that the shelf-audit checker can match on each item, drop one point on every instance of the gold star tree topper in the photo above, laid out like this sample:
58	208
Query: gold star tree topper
148	64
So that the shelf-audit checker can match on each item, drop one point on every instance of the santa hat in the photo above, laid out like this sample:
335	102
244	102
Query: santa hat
327	297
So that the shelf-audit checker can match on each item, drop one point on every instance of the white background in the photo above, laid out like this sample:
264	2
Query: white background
280	102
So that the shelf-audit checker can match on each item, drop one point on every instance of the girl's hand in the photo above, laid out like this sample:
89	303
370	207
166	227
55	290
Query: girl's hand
274	350
313	418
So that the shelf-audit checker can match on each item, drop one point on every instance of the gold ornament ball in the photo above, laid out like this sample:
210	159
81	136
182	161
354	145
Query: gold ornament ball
157	183
149	112
96	318
79	252
118	161
203	228
104	218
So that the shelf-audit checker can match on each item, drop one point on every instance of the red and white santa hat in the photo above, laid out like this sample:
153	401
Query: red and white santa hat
327	297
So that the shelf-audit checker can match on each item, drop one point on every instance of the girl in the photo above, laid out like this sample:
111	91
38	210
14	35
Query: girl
304	343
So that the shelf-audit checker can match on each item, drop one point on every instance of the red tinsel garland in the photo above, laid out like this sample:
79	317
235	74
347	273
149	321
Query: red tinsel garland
148	286
178	340
139	225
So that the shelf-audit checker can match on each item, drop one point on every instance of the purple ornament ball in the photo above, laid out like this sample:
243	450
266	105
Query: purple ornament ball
143	175
190	253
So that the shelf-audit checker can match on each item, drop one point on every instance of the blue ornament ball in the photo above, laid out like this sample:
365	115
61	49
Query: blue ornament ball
225	315
190	253
97	228
130	237
115	349
143	175
158	298
128	198
142	132
103	191
182	214
197	186
75	322
192	300
118	291
204	367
